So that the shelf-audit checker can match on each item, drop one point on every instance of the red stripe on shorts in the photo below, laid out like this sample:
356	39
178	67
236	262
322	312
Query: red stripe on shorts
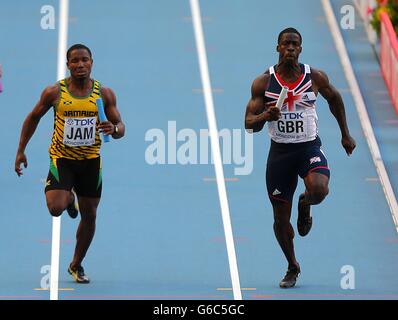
320	167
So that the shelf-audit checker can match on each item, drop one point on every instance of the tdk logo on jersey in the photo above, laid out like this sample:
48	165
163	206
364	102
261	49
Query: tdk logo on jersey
81	122
79	131
292	115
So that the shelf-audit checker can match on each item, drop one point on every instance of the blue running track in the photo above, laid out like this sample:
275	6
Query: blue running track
159	229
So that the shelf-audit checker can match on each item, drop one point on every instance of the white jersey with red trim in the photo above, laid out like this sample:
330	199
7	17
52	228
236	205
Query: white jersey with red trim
299	121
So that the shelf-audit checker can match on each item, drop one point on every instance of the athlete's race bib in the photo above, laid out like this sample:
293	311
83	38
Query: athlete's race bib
294	127
291	125
79	131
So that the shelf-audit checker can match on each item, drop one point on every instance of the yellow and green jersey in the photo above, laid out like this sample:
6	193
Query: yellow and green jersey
75	134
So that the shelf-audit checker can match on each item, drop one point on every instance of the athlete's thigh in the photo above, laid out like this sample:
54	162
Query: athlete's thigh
314	168
61	175
59	183
89	181
313	159
281	177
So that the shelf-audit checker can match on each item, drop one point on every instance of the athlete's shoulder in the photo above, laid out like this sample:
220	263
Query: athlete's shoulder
106	91
318	74
265	75
108	95
261	82
52	88
50	93
319	78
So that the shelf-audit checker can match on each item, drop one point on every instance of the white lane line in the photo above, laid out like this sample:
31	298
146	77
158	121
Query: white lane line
61	71
361	109
215	147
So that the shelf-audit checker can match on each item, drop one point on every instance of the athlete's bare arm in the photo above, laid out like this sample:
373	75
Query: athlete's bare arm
257	112
112	114
48	99
322	85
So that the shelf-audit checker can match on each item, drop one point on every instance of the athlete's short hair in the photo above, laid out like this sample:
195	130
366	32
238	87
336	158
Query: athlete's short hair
76	47
289	30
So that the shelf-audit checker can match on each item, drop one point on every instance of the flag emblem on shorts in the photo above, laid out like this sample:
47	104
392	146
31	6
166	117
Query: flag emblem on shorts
315	159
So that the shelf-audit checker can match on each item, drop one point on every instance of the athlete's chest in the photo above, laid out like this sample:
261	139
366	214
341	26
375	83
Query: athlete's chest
77	103
69	106
300	95
79	118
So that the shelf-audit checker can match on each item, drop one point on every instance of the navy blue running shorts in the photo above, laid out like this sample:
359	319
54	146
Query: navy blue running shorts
287	161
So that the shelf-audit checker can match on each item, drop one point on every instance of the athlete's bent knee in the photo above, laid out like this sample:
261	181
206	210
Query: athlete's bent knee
318	194
89	216
55	210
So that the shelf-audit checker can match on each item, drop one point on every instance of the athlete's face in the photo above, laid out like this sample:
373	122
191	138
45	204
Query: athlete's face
289	47
80	63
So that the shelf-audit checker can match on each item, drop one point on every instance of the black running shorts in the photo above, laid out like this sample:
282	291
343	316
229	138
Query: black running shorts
84	176
287	161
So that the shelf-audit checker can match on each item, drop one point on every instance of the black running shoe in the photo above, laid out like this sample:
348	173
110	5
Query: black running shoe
290	278
72	208
304	220
78	274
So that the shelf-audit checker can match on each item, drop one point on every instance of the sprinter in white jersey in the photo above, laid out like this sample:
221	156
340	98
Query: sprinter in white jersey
295	145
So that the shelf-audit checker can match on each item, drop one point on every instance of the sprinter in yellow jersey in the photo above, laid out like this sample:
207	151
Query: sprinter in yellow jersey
75	164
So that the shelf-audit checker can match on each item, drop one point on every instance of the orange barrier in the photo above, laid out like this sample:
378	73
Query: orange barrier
389	57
